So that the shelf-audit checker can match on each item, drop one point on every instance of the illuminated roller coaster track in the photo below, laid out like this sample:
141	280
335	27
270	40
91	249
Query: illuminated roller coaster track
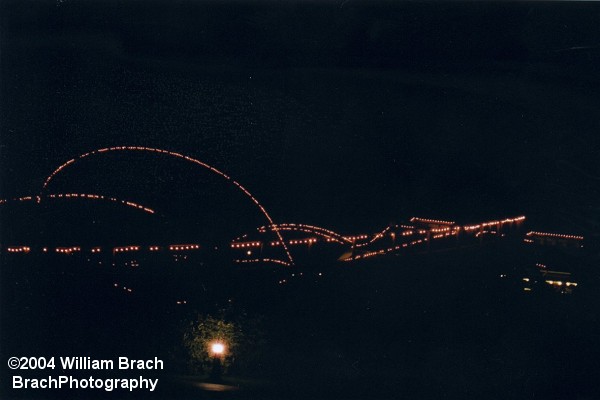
181	156
450	229
85	196
442	233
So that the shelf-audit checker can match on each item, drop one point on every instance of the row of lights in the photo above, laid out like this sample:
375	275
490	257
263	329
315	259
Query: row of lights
311	240
431	221
385	251
184	247
19	249
448	232
80	196
454	231
100	197
494	223
330	235
25	198
297	241
357	237
304	226
245	244
68	250
125	249
374	238
57	170
263	260
553	235
120	249
560	283
303	241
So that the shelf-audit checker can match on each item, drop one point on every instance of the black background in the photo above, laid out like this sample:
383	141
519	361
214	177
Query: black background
342	114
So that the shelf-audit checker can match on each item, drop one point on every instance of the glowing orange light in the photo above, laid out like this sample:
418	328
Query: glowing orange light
217	348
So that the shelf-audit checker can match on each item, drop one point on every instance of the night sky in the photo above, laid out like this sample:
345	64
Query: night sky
341	114
348	115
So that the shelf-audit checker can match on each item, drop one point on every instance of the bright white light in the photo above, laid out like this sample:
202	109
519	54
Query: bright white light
217	348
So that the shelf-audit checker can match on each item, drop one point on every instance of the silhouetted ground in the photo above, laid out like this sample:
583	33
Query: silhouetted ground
440	325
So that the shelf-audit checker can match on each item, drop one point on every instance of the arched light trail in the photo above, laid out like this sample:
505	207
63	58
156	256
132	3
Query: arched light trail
307	229
329	234
177	155
318	233
87	196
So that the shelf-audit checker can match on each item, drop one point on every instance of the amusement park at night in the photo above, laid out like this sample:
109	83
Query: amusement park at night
338	200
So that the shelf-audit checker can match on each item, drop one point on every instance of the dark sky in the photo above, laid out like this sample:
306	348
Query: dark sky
347	115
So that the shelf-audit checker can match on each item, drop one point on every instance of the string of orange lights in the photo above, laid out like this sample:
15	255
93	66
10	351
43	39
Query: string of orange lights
432	221
297	241
385	251
68	250
443	232
176	247
262	260
18	249
318	233
245	244
440	233
327	233
494	223
553	235
375	237
86	196
98	249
